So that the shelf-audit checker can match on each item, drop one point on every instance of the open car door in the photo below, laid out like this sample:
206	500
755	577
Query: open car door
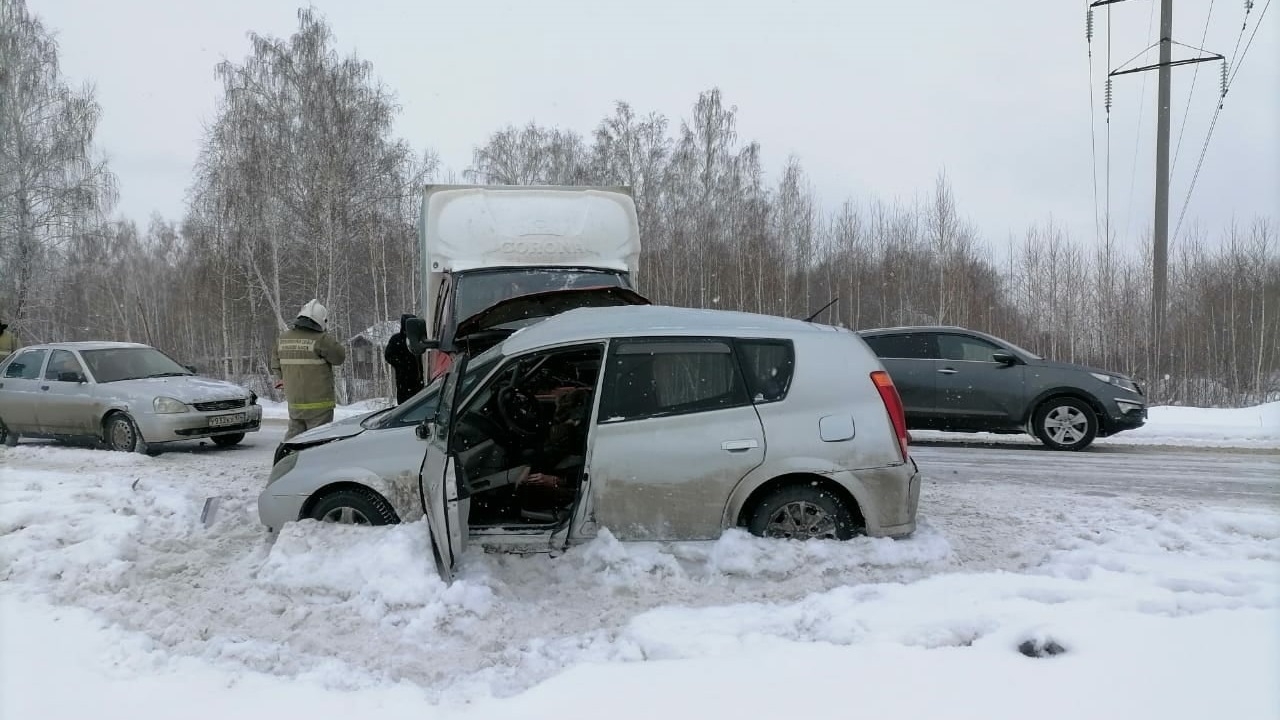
446	512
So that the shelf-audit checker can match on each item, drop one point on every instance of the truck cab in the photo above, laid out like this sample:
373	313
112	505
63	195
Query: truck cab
481	245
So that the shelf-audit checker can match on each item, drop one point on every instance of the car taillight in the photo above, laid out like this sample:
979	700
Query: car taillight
892	404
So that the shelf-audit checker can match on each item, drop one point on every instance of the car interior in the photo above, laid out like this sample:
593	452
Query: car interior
521	439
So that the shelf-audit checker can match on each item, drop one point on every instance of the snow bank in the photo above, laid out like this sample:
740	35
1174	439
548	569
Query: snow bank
1251	427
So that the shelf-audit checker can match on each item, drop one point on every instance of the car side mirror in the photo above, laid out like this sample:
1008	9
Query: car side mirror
71	377
1004	358
425	429
415	333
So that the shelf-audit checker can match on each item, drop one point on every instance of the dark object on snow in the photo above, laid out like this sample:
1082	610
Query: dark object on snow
1041	648
406	366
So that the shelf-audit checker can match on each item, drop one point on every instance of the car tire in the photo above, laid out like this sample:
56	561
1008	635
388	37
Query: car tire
120	433
803	512
1065	423
227	440
7	438
353	506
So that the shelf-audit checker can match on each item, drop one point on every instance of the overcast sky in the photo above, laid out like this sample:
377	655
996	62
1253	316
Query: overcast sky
875	98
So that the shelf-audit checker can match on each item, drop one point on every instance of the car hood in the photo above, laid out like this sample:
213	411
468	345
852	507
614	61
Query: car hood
546	304
1054	364
337	430
187	389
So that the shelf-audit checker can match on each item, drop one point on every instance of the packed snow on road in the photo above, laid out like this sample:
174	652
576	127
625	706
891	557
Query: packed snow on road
1127	581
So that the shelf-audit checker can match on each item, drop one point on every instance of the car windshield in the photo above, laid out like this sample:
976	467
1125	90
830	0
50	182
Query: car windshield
424	404
481	289
114	364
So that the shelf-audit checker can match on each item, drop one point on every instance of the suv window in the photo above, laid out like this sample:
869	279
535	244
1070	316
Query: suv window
62	361
650	378
26	365
768	366
962	347
908	346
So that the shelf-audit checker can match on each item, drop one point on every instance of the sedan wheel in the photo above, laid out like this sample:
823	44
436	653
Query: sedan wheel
1066	424
802	512
121	434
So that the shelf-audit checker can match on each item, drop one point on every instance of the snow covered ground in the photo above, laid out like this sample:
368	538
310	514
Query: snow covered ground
1154	570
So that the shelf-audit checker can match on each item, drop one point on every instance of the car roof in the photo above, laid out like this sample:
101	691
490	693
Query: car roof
597	323
89	345
915	328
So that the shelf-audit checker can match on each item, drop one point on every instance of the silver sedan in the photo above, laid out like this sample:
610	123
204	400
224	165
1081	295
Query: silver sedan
128	396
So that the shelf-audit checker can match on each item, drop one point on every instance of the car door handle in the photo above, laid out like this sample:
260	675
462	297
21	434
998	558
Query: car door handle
739	445
44	387
948	371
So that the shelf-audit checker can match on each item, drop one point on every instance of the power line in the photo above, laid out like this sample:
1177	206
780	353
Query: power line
1142	107
1226	85
1093	120
1182	127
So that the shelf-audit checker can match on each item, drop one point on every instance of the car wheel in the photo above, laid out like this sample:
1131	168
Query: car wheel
121	435
1065	424
227	440
802	512
9	439
353	506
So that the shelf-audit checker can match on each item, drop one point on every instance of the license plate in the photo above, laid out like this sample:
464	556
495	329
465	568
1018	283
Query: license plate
225	420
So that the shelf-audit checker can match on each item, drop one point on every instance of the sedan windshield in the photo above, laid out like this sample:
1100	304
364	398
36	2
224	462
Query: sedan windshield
114	364
480	290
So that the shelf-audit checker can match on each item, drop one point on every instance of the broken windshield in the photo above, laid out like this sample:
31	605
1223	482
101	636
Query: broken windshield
482	289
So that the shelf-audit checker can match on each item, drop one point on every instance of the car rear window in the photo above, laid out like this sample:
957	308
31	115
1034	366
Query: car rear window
768	366
660	378
25	365
908	346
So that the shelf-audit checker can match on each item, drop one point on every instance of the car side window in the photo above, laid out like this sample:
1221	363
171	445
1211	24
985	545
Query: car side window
768	366
961	347
60	363
662	377
906	346
26	365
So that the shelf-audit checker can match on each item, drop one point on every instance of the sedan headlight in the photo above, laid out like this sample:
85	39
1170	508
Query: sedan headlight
1122	383
168	405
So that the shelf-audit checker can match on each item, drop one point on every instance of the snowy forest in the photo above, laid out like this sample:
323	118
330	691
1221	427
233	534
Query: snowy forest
302	190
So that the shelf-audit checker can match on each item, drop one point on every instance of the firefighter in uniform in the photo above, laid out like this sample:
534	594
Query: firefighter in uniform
8	343
303	359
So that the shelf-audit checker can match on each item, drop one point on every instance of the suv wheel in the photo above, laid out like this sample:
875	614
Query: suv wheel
1065	424
802	512
351	506
7	437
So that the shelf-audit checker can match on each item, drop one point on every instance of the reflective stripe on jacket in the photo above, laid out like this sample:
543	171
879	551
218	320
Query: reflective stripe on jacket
304	360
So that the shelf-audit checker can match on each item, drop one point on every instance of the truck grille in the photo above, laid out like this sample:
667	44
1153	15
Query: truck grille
219	405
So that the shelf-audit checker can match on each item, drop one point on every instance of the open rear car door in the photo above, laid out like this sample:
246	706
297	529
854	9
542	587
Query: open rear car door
445	510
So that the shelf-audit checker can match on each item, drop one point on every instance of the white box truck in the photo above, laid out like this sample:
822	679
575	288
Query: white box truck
482	245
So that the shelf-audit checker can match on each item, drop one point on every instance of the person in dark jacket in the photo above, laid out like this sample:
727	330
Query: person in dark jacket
8	343
406	366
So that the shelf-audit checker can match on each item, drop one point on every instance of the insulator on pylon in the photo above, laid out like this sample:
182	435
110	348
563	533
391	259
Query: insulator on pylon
1107	95
1248	5
1223	82
1088	25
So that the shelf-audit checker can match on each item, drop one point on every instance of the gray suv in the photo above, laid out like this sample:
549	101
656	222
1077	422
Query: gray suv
955	379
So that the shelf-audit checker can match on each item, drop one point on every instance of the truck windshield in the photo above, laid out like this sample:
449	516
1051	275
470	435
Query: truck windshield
481	289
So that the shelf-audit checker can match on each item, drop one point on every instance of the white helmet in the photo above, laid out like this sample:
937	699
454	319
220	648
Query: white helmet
315	311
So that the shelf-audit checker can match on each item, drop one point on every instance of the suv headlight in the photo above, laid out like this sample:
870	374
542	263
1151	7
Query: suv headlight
1122	383
168	405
